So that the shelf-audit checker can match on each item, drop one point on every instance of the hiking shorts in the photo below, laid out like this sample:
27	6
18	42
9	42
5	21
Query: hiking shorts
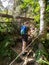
25	37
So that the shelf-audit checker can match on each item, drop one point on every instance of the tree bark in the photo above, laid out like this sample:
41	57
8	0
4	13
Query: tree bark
42	31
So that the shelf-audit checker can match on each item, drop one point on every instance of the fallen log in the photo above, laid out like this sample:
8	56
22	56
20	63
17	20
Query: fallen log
18	17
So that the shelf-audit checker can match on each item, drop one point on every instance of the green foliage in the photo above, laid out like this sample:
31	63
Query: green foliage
43	61
47	8
43	53
7	31
46	44
37	18
34	6
39	55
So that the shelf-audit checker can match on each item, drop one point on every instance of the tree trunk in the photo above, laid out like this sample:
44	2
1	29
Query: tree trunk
42	31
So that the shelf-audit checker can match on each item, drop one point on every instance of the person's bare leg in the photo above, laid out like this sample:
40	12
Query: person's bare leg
23	45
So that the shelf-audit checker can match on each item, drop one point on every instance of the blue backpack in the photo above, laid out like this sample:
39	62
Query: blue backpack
23	30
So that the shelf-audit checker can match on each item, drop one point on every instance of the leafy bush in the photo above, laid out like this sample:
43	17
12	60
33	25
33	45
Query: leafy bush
7	33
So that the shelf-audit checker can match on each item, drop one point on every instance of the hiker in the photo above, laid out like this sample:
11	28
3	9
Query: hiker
24	30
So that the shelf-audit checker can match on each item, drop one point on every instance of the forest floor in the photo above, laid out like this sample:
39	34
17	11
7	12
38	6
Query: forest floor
17	49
